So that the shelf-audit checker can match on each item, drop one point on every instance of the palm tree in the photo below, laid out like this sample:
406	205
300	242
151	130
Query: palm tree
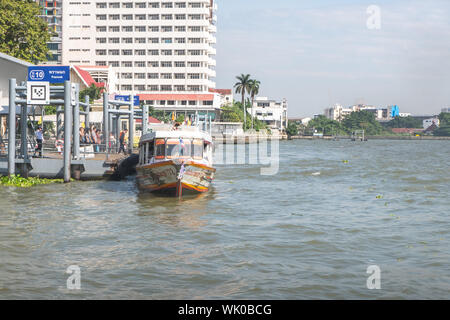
242	87
254	91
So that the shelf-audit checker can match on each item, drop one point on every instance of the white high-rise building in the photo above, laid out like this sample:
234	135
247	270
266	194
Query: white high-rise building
162	51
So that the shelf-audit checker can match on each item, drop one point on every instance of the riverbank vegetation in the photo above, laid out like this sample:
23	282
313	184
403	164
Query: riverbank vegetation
235	113
20	182
444	127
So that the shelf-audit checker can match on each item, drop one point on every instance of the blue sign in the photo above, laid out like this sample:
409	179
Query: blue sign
127	99
52	74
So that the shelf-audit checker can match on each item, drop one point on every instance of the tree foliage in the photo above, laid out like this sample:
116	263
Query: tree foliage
444	128
235	113
93	92
404	122
292	129
22	34
327	126
362	120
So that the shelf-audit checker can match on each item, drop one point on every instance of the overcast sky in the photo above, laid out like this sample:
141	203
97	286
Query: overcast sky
320	52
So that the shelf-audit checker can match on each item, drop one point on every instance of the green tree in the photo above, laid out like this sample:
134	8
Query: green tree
254	91
404	122
242	87
93	92
292	129
235	113
362	120
444	127
22	34
327	126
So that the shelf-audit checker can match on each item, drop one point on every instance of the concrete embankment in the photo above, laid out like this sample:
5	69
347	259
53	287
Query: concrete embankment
370	138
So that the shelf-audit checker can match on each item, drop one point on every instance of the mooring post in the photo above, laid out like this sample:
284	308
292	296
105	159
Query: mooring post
106	122
117	131
67	130
12	128
88	110
24	140
131	125
76	124
59	112
144	119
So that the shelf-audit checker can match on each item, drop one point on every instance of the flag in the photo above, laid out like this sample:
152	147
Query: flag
40	120
173	116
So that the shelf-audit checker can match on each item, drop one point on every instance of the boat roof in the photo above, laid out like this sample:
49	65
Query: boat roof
184	132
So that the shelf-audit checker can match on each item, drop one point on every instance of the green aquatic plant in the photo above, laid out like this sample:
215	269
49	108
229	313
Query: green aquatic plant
21	182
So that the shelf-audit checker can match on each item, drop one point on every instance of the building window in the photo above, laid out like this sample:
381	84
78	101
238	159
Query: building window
153	76
166	64
166	88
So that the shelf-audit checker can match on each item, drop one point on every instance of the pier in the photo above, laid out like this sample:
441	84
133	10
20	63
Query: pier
72	160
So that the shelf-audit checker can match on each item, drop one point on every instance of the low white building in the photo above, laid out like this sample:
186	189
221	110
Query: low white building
338	112
429	122
11	68
272	112
446	110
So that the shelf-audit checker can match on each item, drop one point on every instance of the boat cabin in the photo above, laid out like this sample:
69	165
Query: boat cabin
174	145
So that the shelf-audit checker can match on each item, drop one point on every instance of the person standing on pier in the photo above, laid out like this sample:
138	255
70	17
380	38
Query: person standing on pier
39	139
122	140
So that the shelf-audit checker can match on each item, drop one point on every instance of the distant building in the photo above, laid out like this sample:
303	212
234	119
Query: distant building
338	112
429	122
404	115
51	12
446	110
225	96
272	112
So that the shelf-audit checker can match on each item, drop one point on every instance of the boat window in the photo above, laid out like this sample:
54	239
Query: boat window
160	149
145	147
197	149
151	150
178	148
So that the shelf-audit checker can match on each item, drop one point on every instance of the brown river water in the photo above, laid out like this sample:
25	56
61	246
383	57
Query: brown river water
308	232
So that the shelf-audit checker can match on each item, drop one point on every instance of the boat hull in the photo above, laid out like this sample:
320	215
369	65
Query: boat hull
175	179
